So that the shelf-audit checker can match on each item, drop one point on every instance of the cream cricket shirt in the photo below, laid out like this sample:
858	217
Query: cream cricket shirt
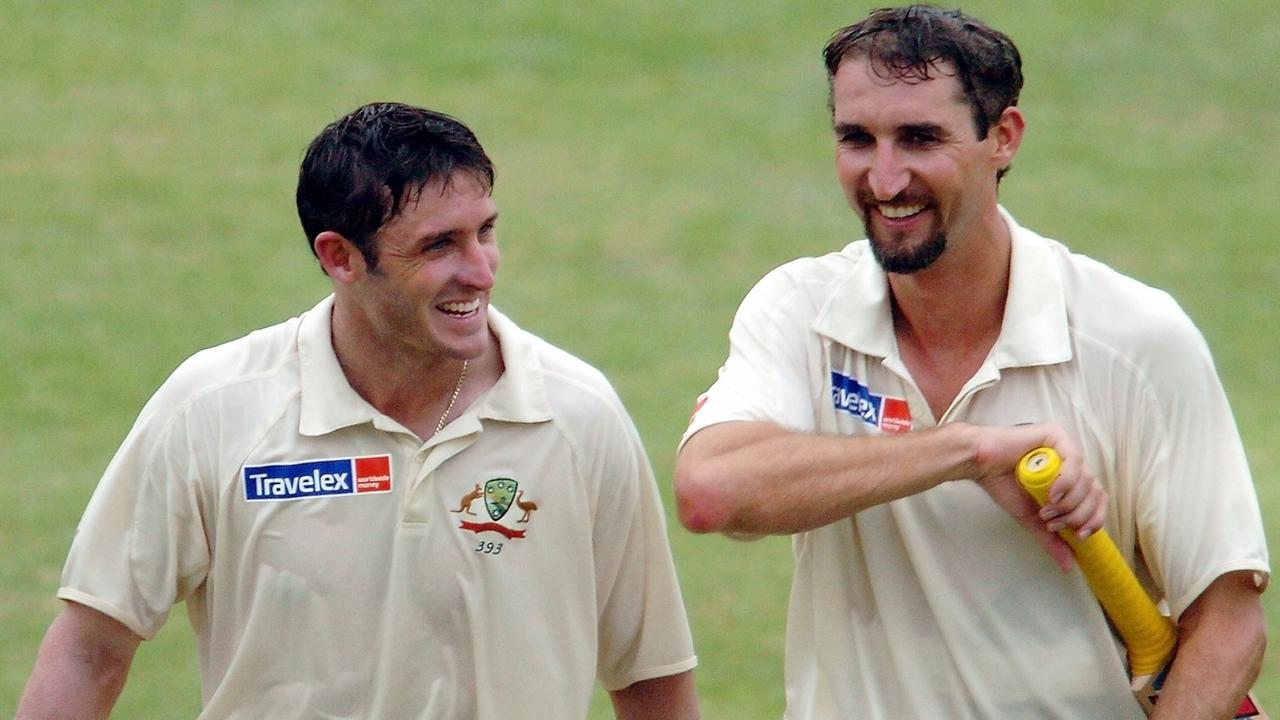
939	605
335	566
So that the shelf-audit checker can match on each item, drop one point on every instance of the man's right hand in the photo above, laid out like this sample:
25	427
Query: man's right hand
1077	501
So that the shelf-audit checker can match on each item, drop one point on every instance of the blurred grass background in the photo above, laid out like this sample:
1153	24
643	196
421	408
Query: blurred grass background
654	160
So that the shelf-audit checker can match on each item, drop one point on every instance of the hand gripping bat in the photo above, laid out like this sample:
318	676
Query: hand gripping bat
1149	636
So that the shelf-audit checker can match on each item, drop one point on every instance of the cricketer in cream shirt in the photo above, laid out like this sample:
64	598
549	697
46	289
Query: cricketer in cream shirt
336	566
940	604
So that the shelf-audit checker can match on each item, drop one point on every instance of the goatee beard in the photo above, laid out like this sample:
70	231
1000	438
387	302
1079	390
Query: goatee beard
907	260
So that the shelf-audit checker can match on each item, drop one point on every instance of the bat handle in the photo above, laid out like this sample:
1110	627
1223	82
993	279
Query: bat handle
1148	635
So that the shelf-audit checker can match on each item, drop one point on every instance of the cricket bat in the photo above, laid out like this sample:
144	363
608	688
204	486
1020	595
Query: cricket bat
1149	636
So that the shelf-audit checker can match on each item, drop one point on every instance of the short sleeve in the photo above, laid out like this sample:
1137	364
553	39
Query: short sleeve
765	377
141	546
643	629
1197	510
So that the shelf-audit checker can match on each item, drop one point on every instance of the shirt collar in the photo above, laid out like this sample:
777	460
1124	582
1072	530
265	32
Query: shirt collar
1036	328
520	395
328	402
1034	332
858	315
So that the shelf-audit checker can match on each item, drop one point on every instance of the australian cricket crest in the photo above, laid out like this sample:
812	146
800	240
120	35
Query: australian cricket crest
498	495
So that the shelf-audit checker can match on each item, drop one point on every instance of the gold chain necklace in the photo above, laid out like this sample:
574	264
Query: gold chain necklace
456	389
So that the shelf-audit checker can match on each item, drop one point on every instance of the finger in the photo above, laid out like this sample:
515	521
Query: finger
1085	518
1066	495
1073	486
1094	523
1070	493
1072	478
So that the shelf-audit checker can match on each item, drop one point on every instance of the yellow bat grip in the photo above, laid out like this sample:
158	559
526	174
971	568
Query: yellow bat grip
1147	634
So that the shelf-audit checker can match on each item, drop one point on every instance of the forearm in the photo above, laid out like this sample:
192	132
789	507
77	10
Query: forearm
79	671
56	689
664	698
1220	647
758	478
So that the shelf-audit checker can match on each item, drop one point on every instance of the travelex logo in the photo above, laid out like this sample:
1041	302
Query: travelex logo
889	414
318	478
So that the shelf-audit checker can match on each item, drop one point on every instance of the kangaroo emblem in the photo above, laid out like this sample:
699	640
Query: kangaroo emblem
464	505
499	496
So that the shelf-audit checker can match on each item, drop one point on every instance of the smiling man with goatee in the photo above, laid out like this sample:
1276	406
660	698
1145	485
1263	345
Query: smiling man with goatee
875	402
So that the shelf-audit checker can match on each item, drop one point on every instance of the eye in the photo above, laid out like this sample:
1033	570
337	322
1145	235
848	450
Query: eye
436	244
920	138
856	138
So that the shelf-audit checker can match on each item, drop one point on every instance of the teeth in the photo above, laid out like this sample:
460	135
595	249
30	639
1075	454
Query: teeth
461	308
900	211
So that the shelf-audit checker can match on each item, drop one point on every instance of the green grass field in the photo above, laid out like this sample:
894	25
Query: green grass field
654	159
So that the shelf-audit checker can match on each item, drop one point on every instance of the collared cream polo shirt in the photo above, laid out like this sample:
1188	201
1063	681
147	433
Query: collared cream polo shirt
336	566
939	604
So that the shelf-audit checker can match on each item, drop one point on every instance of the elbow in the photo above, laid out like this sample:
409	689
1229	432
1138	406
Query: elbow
702	503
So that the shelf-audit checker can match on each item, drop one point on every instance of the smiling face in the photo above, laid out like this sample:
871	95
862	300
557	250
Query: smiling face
910	161
428	297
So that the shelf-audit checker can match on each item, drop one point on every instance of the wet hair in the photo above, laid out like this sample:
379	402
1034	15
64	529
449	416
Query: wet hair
361	170
911	44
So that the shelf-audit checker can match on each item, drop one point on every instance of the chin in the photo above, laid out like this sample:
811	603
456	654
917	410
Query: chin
471	348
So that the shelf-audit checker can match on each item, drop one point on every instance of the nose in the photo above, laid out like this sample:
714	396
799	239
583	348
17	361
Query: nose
887	176
478	262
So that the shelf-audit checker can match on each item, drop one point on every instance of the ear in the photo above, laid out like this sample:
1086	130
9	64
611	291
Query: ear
1008	136
338	256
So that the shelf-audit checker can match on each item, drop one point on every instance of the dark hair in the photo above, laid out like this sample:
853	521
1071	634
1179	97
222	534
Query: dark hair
362	169
909	43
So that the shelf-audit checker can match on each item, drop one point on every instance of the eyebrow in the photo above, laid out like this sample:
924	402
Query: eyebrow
846	128
925	129
934	129
446	234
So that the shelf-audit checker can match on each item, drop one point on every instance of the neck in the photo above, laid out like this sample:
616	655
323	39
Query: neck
947	317
415	389
959	300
